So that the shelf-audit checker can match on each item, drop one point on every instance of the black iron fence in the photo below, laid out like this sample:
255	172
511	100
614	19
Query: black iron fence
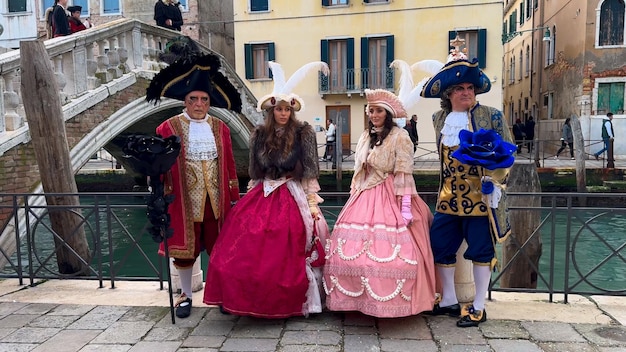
576	243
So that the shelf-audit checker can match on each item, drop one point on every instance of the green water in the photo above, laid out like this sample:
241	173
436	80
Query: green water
598	252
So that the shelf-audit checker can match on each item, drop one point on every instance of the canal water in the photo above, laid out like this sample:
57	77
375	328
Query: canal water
598	244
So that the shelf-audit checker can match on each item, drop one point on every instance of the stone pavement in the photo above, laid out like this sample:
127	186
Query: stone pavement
74	315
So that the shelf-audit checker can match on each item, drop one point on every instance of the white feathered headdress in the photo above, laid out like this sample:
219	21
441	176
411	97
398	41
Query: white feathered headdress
408	93
283	89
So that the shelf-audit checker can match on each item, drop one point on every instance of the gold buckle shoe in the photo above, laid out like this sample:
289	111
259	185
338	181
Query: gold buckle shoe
471	317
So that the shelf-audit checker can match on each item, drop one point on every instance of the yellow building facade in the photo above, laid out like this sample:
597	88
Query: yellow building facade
358	39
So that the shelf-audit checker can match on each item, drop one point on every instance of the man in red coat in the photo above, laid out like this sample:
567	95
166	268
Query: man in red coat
203	180
76	25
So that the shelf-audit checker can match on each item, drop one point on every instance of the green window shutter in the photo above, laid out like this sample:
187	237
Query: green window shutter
324	57
365	62
350	59
390	58
482	48
325	2
617	98
271	55
451	36
249	64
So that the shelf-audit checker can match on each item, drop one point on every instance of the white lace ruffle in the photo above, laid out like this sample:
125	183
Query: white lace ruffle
494	197
454	123
201	140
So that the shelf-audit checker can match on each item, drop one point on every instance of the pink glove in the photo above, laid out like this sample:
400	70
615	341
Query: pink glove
406	209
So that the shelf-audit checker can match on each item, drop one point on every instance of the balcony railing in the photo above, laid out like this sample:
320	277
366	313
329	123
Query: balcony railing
353	81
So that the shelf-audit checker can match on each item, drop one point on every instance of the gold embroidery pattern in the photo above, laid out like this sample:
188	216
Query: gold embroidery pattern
460	192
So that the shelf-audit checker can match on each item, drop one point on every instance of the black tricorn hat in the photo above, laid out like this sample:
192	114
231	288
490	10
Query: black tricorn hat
73	9
195	72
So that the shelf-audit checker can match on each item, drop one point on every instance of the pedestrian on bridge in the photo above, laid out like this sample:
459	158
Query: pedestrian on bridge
167	14
60	22
203	179
76	25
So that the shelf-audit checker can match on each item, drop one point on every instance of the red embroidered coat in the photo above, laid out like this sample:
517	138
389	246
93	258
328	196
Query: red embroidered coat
181	244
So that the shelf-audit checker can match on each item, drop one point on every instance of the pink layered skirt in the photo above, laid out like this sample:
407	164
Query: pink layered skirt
376	264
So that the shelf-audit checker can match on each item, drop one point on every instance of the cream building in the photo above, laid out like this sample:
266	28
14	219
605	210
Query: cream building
565	59
358	39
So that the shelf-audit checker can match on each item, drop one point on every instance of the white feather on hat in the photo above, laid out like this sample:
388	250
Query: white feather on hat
283	88
408	93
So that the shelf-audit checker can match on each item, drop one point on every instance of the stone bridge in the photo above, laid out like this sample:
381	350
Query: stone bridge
102	76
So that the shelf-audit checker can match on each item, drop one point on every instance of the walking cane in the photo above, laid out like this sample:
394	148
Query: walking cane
154	156
157	214
169	281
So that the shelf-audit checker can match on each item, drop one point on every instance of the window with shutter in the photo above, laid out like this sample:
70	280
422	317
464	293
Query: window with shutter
378	52
259	5
339	55
111	7
256	58
475	44
611	30
17	6
610	98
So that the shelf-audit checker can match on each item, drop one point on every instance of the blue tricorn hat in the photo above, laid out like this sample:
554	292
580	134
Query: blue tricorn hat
457	72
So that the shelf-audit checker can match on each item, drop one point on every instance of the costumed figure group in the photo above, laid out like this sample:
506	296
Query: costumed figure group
271	255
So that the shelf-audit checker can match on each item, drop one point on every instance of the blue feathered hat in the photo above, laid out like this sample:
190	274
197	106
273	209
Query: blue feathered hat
457	72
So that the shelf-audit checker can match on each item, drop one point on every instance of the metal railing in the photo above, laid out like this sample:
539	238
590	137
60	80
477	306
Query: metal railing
356	80
580	250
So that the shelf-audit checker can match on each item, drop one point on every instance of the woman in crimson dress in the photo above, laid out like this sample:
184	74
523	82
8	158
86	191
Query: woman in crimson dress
259	266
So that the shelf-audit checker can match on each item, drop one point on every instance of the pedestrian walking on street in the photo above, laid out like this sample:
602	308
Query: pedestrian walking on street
567	139
608	134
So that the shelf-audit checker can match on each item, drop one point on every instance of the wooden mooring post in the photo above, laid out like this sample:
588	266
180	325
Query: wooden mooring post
40	94
520	272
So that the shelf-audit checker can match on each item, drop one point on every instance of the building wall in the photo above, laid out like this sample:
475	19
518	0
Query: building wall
216	27
420	31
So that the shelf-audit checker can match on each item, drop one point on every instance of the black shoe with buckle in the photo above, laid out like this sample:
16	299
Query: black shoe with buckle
183	306
471	317
453	310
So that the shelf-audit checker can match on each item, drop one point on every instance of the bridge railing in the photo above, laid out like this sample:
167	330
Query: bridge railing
580	251
82	62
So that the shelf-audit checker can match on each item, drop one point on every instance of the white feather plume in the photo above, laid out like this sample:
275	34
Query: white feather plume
301	73
278	75
406	79
430	66
414	96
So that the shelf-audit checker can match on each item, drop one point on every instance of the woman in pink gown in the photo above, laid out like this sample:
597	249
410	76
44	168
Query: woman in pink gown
379	260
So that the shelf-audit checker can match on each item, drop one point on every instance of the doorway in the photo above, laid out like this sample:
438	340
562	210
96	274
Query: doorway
341	117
